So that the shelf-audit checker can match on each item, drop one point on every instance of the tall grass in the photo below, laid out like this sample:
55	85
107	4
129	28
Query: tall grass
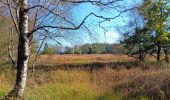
101	84
4	84
113	81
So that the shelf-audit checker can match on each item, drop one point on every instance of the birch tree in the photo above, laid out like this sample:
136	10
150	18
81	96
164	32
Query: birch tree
48	16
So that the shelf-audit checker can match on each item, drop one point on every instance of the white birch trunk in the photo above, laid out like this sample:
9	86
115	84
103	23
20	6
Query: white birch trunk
23	53
23	49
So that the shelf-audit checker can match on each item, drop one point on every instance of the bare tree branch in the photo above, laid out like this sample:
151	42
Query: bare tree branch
93	2
13	17
36	56
77	27
10	50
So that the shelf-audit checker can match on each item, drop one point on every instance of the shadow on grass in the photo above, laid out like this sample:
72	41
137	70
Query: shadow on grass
89	66
94	66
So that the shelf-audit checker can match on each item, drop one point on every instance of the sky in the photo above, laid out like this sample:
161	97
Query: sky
98	34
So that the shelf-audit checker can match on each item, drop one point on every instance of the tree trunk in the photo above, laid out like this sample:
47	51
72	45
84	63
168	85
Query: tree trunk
23	49
141	56
23	52
166	55
158	52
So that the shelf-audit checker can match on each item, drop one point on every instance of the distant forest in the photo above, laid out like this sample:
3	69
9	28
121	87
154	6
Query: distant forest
95	48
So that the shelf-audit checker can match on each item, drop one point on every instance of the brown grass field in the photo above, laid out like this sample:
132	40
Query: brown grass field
113	77
81	59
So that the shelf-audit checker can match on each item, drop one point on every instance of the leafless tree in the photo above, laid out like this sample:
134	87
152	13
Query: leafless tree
46	17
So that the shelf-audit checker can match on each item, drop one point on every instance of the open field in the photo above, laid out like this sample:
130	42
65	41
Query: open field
138	82
81	59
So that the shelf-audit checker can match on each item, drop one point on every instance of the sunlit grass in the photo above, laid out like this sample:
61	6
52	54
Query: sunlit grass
4	89
4	85
103	84
61	91
81	59
136	83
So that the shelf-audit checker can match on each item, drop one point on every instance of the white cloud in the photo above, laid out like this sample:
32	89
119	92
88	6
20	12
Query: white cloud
112	37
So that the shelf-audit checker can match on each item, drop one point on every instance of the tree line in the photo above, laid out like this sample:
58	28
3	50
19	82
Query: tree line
95	48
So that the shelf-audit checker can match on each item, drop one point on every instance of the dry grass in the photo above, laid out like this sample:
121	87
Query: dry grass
152	83
101	84
81	59
145	82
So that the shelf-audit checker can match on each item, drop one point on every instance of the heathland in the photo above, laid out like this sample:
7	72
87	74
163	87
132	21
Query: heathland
92	77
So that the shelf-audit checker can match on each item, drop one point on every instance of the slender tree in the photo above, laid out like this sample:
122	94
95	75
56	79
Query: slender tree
46	15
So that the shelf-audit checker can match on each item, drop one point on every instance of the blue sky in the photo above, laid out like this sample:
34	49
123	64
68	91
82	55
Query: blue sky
111	36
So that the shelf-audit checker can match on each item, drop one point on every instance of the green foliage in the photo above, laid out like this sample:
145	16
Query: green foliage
95	48
77	49
156	14
50	49
152	36
69	50
102	48
157	21
138	44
